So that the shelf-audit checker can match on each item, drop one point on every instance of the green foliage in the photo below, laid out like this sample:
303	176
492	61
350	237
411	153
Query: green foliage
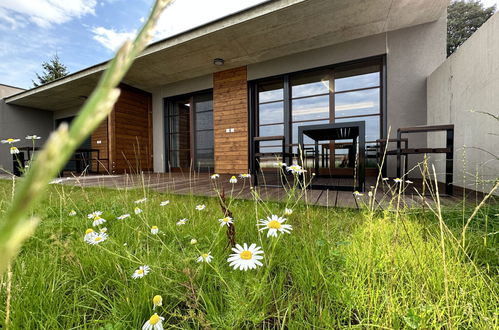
339	268
52	70
464	17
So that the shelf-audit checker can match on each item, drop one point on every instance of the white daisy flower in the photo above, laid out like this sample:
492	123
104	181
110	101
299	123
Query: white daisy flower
288	211
89	233
141	272
280	164
97	239
205	257
164	203
154	230
245	257
32	137
200	207
157	301
103	229
215	176
245	176
357	194
275	224
94	214
385	179
140	201
397	180
10	141
194	241
227	221
182	222
233	179
155	322
72	213
137	210
295	169
98	221
408	181
124	216
14	150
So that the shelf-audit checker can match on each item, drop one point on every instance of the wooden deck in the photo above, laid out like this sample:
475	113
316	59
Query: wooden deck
201	184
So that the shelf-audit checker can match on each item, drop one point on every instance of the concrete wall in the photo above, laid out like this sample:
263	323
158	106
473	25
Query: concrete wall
17	122
469	80
412	54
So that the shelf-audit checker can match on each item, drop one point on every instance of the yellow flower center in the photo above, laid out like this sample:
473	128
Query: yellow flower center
10	140
96	217
89	230
154	227
98	238
154	319
157	299
140	271
274	224
226	219
204	255
246	255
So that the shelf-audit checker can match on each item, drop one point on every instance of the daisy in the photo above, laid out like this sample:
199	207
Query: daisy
32	137
157	301
14	150
280	164
397	180
142	200
215	176
295	169
72	213
288	211
182	222
141	272
233	179
155	322
194	241
205	257
137	210
10	141
154	230
357	194
124	216
103	229
94	214
370	194
408	181
97	239
225	221
245	176
245	257
164	203
275	224
385	179
200	207
98	221
89	233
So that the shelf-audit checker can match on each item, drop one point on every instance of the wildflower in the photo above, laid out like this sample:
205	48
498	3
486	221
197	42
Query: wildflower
227	221
385	179
245	176
154	230
10	141
98	221
94	214
275	224
89	233
397	180
72	213
295	169
200	207
215	176
14	150
288	211
194	241
137	210
370	194
32	137
164	203
157	301
142	200
124	216
408	181
357	194
280	164
233	179
205	257
141	272
103	229
245	257
97	239
182	222
155	322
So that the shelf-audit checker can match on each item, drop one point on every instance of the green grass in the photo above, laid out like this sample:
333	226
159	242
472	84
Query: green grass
339	268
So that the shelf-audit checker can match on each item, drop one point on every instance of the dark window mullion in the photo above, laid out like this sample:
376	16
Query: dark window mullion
287	114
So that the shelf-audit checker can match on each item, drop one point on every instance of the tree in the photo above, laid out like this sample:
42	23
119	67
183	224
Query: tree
52	70
464	17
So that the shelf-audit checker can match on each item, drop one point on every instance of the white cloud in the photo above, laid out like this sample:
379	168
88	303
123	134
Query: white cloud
46	13
110	38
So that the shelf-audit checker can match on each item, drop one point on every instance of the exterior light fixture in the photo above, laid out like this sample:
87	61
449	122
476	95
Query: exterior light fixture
218	61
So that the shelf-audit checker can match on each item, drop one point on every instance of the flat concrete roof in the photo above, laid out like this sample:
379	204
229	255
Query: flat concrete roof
264	32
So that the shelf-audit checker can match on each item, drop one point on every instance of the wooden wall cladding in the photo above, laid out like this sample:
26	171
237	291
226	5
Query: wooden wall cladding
100	141
230	111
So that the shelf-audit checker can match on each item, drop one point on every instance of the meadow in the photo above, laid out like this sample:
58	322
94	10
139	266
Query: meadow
336	268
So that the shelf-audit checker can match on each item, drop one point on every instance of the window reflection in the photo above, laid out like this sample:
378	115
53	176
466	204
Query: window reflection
308	84
316	107
271	91
357	103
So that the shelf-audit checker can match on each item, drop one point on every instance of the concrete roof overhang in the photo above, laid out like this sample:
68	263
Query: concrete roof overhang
269	30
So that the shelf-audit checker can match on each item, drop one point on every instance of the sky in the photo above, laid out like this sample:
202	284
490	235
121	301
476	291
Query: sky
86	32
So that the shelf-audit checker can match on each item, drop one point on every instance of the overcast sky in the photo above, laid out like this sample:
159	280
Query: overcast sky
87	32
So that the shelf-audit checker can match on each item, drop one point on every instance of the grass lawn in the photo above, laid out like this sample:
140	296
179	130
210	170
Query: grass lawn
338	268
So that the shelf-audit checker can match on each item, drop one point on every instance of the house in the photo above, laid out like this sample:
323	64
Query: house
197	99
